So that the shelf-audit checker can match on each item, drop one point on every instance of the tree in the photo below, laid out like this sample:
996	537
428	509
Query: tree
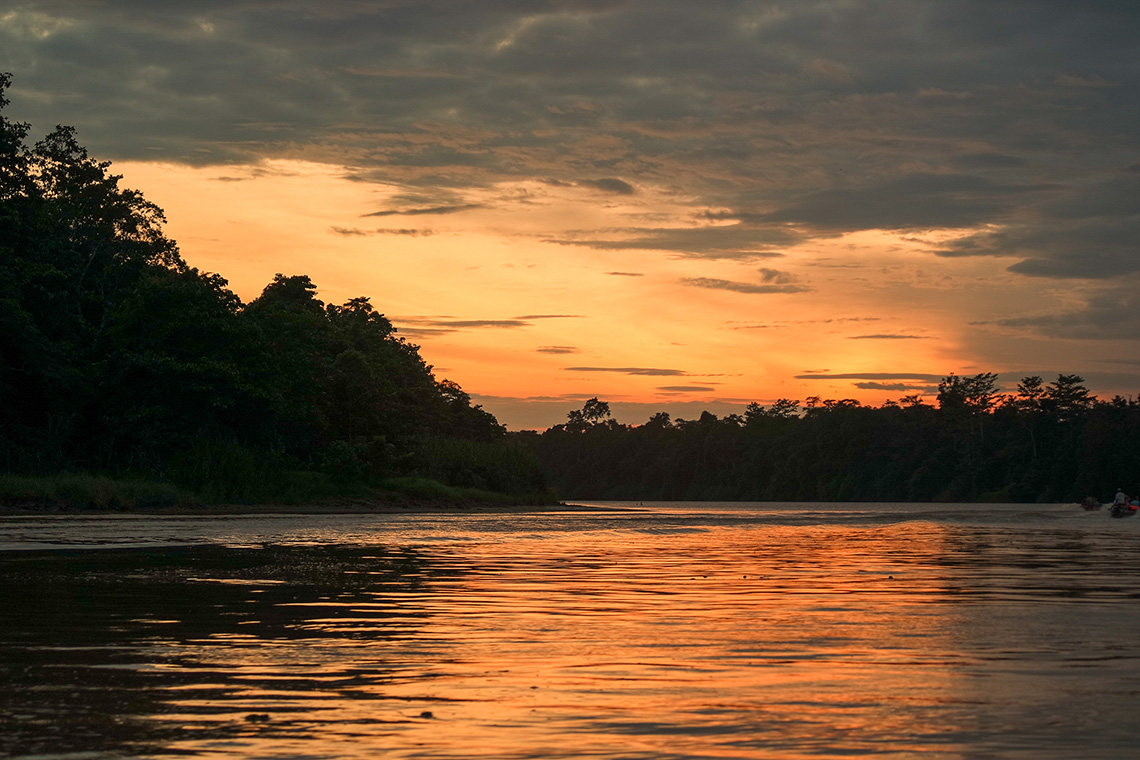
594	411
74	247
975	395
589	416
1067	397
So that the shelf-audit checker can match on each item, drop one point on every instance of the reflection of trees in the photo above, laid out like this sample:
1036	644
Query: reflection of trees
1043	442
96	647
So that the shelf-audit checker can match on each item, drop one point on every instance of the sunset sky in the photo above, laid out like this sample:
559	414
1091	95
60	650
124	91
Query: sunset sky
672	205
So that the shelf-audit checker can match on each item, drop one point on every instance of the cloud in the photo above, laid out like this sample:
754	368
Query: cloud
1110	313
1086	231
887	336
557	350
357	232
872	386
631	371
725	242
870	376
913	201
1009	118
686	389
442	325
496	323
742	287
428	210
626	274
424	327
609	185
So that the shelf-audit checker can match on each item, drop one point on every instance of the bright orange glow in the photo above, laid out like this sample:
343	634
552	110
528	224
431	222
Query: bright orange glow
502	308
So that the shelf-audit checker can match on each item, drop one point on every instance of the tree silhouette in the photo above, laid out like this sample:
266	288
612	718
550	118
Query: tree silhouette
119	357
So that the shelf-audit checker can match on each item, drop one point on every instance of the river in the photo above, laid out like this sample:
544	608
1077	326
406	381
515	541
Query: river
655	630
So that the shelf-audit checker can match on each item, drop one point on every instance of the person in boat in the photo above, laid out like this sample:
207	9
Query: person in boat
1120	498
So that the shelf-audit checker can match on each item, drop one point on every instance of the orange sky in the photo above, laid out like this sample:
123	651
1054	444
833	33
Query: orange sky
532	327
672	206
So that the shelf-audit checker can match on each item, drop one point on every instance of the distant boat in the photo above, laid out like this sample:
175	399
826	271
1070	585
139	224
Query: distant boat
1122	510
1090	503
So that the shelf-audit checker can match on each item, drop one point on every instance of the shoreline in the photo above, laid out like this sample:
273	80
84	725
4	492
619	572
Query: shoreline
331	507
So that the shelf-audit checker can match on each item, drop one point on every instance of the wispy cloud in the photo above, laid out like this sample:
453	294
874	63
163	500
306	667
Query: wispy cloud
357	232
426	211
742	287
888	336
651	371
873	386
824	375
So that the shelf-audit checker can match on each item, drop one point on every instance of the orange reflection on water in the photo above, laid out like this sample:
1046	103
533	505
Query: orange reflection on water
803	642
619	638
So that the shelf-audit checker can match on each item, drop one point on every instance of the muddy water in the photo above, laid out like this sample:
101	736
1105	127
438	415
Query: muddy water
672	631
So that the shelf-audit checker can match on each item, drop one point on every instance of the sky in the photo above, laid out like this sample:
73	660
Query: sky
670	205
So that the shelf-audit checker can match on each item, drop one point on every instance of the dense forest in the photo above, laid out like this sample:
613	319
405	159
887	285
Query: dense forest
1044	442
118	358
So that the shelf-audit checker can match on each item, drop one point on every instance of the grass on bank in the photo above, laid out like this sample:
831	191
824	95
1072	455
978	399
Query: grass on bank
75	490
69	492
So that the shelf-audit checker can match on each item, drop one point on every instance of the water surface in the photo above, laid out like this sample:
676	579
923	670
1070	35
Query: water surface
659	631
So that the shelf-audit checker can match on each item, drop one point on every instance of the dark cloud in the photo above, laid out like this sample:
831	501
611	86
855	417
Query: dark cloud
626	274
557	350
609	185
1088	231
686	388
1111	313
806	119
916	201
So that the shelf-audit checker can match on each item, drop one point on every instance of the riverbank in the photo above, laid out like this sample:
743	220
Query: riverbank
321	508
72	494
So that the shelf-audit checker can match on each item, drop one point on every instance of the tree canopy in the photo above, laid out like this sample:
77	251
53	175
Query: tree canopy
119	357
1042	442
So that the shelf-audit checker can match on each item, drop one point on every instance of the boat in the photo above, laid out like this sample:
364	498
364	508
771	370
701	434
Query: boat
1122	510
1090	503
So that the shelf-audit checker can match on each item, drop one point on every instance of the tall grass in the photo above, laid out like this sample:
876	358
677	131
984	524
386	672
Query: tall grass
443	470
75	490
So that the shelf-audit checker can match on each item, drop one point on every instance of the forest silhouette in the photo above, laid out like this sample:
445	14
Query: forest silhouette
121	359
118	358
1043	442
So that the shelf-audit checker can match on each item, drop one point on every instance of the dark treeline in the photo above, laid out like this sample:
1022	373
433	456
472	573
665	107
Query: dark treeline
1045	442
116	357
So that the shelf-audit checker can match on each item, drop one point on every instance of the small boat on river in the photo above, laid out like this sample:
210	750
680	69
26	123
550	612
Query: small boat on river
1123	509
